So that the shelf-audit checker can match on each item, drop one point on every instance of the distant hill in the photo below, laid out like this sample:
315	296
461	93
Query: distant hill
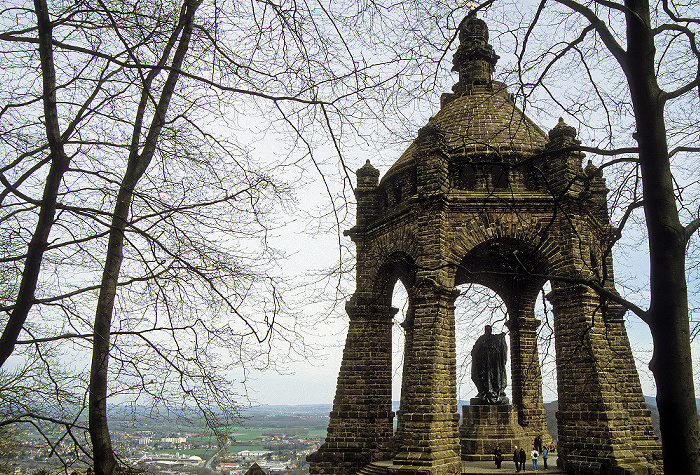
315	416
552	408
315	409
322	411
651	401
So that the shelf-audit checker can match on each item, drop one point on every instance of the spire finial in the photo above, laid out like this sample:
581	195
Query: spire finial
475	58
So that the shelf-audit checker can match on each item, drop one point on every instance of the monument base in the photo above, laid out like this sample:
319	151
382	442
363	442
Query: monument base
486	426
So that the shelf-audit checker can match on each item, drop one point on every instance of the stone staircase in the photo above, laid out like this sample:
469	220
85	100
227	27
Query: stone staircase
375	468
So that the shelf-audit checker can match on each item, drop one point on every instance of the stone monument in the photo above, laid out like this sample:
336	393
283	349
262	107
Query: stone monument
484	196
489	420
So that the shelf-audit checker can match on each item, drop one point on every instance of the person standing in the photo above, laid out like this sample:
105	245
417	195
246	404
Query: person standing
545	454
522	459
498	456
534	454
538	443
516	459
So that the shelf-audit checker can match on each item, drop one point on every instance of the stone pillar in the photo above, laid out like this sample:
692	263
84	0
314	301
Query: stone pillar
365	193
629	388
593	420
430	439
432	175
564	171
526	376
360	429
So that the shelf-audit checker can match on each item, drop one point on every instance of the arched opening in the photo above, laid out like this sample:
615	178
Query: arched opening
394	281
501	278
478	306
546	350
399	300
475	307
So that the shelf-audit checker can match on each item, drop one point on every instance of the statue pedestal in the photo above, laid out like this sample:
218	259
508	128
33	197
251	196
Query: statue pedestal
486	426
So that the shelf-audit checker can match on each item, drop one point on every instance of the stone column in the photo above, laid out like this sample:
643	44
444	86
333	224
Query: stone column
628	386
593	420
526	375
430	439
360	429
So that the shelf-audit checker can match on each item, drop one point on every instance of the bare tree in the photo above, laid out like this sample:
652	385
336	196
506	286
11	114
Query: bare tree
188	291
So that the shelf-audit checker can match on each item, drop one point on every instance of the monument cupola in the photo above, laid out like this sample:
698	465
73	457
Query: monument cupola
483	134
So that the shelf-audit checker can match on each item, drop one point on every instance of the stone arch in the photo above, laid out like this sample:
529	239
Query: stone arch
397	265
514	269
389	256
510	226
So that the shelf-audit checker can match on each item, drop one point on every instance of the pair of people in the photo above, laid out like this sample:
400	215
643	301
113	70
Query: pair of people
535	454
519	458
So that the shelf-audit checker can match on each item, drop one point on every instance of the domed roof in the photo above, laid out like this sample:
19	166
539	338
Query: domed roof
480	117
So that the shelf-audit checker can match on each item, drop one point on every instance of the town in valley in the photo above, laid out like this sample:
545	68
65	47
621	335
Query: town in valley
276	438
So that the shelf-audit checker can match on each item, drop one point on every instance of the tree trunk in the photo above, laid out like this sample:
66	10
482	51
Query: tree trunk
47	210
668	312
104	459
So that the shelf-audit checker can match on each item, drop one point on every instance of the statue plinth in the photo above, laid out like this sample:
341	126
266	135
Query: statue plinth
484	426
477	401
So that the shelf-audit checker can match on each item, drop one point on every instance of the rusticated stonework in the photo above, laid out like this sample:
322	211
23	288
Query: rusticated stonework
484	196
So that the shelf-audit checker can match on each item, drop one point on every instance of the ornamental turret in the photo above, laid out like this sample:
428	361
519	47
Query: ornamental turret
365	193
475	58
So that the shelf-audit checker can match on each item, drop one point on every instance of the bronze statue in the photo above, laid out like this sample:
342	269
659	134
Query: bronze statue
489	357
